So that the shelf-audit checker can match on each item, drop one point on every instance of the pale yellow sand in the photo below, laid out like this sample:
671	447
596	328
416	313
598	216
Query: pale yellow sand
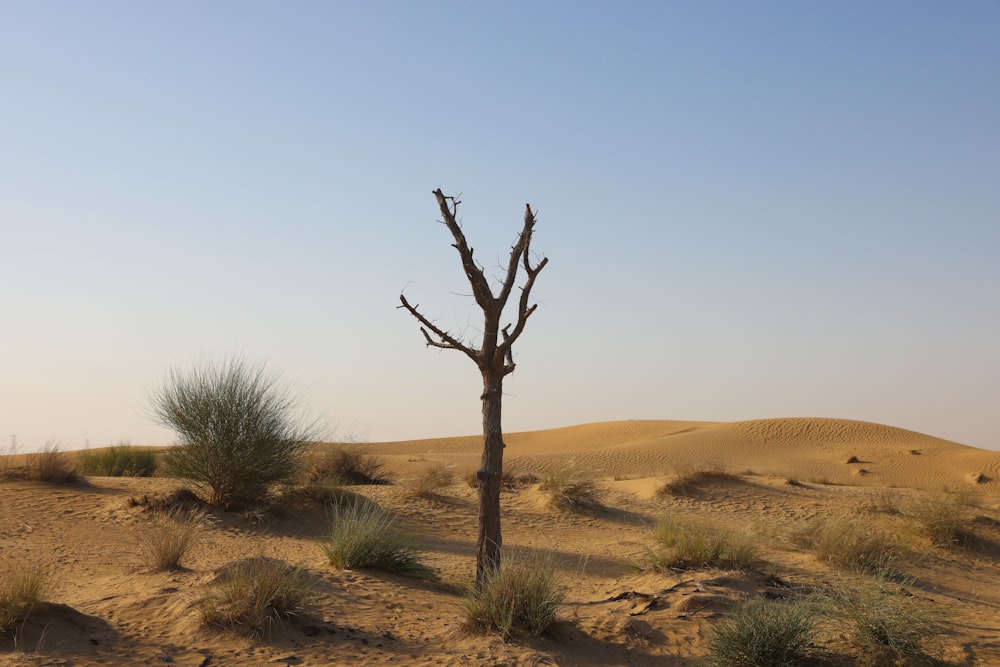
114	612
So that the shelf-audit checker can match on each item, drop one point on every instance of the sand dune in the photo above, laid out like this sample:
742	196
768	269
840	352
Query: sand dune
108	609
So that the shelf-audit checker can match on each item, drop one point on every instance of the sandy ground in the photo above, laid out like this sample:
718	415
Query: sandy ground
107	608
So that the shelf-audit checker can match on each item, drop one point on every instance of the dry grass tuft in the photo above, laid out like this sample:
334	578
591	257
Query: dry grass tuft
169	536
510	480
842	543
53	465
430	481
363	535
253	594
764	634
522	595
890	626
944	520
339	465
571	488
690	482
23	589
690	544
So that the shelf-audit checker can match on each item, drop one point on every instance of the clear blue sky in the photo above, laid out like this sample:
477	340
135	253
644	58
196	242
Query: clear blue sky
751	210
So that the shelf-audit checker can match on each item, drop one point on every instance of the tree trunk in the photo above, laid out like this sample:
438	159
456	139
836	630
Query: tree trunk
489	476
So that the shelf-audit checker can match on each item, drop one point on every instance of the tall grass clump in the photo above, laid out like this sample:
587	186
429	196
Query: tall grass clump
53	465
364	536
760	633
943	520
121	460
691	544
571	488
522	595
253	594
169	536
886	621
430	480
23	589
841	542
340	465
238	432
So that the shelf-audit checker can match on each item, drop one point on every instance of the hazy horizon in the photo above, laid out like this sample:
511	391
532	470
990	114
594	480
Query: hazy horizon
750	211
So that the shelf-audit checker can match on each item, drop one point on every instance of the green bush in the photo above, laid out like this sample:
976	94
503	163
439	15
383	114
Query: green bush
252	594
523	594
363	535
763	634
691	544
121	460
23	589
237	429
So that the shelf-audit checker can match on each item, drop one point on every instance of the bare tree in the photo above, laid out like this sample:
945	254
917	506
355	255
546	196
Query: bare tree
493	358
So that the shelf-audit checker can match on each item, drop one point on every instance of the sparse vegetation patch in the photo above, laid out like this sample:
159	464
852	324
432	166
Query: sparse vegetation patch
842	543
691	544
522	595
760	633
253	594
121	460
571	488
363	535
23	589
168	537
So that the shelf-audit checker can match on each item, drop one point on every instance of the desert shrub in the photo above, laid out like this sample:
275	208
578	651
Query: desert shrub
339	465
690	544
841	542
53	465
164	542
522	595
363	535
252	594
880	502
121	460
511	479
885	620
943	520
689	482
570	488
238	433
430	480
760	633
23	589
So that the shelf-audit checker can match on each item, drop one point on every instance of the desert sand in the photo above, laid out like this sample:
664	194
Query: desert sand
107	608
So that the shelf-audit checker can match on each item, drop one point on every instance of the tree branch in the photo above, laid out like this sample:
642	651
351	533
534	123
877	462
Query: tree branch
447	341
480	285
523	310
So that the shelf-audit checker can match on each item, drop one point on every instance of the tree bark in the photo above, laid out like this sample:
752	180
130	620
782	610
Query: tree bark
490	541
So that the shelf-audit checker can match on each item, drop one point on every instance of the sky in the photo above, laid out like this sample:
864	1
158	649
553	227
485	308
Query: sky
750	210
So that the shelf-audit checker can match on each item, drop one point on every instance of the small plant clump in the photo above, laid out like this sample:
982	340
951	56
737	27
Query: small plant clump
943	520
571	488
522	595
363	535
169	536
23	589
431	479
886	621
53	465
689	483
253	594
121	460
343	465
689	544
842	543
760	633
